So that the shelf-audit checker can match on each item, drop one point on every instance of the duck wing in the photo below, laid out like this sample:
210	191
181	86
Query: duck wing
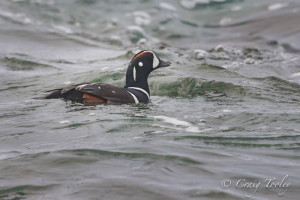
111	93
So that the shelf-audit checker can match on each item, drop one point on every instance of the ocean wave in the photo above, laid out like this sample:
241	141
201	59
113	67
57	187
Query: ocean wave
191	87
22	64
196	4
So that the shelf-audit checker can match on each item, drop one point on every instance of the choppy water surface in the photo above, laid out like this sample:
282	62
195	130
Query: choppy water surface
227	108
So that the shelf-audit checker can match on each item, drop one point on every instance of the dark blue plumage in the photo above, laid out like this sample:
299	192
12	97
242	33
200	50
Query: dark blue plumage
136	89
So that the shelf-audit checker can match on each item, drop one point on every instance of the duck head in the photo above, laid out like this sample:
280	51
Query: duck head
139	68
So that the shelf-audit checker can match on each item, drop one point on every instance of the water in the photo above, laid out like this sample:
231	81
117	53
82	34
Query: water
227	108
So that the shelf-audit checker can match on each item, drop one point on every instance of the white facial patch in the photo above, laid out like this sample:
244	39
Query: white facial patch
155	61
134	74
141	64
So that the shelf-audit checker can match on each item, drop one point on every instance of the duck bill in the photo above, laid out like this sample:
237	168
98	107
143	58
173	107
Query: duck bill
164	63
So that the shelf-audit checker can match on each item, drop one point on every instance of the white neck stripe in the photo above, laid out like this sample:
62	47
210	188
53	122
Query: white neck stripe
142	90
136	101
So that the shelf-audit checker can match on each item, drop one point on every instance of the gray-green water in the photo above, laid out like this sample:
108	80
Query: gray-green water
227	108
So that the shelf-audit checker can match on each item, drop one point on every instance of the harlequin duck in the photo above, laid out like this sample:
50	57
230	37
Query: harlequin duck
135	91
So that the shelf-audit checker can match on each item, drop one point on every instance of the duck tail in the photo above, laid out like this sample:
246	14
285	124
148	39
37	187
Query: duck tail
56	94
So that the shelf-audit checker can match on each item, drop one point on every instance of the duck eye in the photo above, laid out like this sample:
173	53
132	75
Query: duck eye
141	64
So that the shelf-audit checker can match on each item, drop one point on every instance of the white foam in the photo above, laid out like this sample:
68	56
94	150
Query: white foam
141	18
224	128
64	122
62	28
166	127
115	20
137	138
141	13
232	65
105	68
249	61
67	82
4	155
277	6
225	21
16	16
181	125
193	129
173	121
135	29
115	37
200	54
142	41
118	69
190	4
295	75
27	20
141	21
167	6
236	8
